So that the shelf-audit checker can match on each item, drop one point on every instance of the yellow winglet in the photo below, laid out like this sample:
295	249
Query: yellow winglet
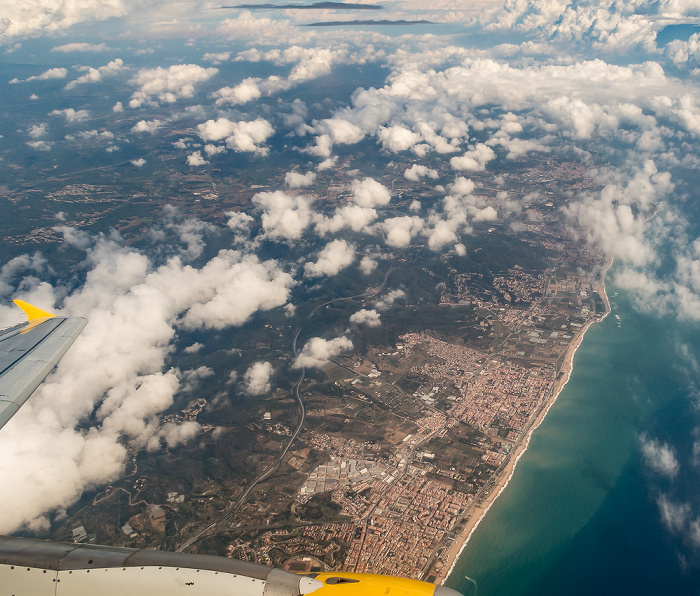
33	313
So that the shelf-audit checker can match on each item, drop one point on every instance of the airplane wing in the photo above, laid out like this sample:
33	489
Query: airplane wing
29	352
37	567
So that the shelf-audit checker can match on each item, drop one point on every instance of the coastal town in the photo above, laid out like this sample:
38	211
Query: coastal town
401	443
405	504
404	443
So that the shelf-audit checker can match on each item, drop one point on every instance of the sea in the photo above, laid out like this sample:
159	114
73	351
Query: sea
587	511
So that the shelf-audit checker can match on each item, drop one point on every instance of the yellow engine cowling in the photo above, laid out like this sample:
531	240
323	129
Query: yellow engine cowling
366	584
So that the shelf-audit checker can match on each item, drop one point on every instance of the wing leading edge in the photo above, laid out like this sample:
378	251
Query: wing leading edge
29	352
33	566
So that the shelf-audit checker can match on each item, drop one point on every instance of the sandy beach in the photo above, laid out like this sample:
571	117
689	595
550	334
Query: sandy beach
479	510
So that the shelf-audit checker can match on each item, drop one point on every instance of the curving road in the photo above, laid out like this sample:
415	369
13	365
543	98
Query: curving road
242	499
302	417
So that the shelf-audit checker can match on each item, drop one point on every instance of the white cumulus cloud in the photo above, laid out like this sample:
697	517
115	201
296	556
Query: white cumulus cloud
387	301
660	458
138	306
239	136
334	257
418	171
474	159
297	180
247	90
29	18
167	85
370	193
366	317
284	217
51	73
196	159
71	115
80	46
256	380
94	75
317	352
147	126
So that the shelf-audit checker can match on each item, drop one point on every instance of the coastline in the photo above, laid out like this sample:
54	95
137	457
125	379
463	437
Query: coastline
478	512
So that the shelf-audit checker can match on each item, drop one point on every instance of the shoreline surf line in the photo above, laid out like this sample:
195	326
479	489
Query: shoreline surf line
459	545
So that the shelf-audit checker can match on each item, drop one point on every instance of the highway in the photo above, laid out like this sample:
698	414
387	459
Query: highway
242	499
302	417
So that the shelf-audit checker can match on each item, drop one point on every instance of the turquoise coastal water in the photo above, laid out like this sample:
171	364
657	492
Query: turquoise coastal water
581	514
